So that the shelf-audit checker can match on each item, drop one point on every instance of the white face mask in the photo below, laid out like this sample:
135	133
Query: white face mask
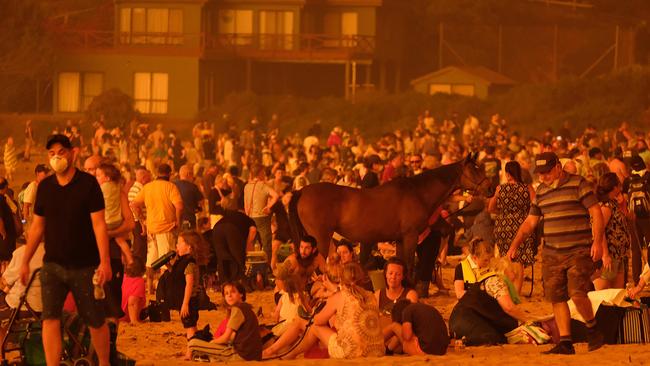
59	164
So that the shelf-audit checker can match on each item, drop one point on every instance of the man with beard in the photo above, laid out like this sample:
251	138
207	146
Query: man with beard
306	261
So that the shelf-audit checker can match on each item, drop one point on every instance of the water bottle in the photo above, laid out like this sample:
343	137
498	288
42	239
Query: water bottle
98	290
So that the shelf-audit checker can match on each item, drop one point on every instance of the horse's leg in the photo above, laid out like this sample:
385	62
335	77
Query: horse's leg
365	252
406	251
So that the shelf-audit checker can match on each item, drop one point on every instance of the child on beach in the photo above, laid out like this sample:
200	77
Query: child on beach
241	339
133	293
292	297
108	177
183	284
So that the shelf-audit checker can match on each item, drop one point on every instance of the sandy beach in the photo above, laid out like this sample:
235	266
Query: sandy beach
163	343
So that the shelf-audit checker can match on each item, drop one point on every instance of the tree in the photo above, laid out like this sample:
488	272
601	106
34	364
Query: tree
113	106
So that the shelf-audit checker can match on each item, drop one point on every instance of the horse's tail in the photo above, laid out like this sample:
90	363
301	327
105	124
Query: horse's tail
297	230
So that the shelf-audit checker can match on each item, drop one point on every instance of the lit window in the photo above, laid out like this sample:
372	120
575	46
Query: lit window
439	88
76	90
151	92
151	25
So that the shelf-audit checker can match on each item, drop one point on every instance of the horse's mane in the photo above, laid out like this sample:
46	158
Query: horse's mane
447	174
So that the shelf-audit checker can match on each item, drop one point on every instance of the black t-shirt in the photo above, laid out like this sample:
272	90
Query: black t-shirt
429	326
192	198
69	237
240	220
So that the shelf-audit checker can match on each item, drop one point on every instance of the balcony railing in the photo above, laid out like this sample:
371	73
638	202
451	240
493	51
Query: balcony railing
256	46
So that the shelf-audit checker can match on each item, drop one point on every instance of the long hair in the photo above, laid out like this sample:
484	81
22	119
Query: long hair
606	184
350	275
514	169
199	248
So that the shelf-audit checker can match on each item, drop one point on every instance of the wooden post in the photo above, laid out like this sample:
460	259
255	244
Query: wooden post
616	45
555	52
500	49
346	81
368	80
354	80
249	77
441	40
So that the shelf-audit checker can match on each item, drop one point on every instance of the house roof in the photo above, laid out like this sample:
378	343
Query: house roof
490	76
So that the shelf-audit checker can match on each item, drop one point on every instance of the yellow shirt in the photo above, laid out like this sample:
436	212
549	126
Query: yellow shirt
159	197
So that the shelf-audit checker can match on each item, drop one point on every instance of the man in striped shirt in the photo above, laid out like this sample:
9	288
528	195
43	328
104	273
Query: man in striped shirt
139	247
573	240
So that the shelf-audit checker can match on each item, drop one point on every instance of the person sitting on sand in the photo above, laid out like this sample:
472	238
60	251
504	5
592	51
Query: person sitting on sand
396	286
488	309
241	338
418	328
356	331
292	297
466	270
306	262
327	288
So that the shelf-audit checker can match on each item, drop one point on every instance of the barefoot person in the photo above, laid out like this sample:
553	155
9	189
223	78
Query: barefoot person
572	217
69	214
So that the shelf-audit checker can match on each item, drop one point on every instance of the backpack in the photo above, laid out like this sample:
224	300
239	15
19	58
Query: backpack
639	201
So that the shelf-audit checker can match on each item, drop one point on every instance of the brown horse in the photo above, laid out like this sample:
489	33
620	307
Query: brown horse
396	211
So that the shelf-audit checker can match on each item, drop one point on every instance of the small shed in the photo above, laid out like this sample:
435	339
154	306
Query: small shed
463	80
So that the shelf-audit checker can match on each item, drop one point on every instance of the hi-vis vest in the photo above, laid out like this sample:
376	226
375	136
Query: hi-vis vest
469	276
472	280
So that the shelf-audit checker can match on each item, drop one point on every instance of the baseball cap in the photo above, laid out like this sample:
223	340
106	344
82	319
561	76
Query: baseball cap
58	139
546	161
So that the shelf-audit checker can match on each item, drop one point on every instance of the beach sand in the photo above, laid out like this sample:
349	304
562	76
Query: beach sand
164	343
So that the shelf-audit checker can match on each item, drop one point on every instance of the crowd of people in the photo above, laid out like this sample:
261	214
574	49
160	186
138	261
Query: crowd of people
108	206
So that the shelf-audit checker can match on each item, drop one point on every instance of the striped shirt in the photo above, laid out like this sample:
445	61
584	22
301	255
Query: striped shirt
133	192
565	210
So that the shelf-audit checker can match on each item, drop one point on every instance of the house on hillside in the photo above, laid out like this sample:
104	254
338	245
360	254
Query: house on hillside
462	80
176	57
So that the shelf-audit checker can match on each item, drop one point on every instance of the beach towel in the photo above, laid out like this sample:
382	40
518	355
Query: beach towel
613	297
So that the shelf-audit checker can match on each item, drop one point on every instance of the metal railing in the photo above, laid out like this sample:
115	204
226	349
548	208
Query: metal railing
274	46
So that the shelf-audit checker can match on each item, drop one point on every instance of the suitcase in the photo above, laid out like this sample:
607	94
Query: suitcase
635	326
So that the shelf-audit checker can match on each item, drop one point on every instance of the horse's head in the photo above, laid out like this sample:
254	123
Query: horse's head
473	176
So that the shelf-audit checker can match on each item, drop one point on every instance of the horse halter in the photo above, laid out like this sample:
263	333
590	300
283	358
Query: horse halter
476	185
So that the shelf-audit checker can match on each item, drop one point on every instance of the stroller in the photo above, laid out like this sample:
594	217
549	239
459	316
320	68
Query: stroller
24	336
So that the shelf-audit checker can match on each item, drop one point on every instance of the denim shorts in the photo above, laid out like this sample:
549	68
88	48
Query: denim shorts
57	281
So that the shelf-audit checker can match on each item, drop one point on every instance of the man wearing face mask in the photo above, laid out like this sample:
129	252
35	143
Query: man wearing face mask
69	216
572	217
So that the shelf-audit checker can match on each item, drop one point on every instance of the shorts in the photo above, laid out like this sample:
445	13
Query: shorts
216	352
566	273
412	347
159	245
617	267
193	317
57	281
113	289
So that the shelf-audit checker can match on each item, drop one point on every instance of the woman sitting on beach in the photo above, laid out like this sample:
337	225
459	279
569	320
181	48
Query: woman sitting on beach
294	329
241	338
396	286
488	309
355	331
